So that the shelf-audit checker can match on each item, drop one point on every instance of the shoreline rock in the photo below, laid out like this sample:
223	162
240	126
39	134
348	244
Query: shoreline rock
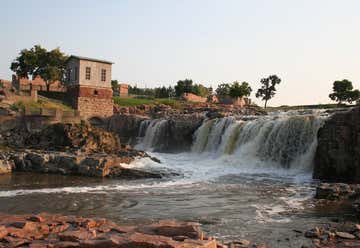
340	235
46	230
337	157
91	165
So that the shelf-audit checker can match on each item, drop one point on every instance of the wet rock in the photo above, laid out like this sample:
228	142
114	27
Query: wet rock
335	236
338	152
92	165
336	191
125	126
345	235
83	232
242	243
313	233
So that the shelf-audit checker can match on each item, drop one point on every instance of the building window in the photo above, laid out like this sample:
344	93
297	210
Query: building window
103	75
87	73
76	71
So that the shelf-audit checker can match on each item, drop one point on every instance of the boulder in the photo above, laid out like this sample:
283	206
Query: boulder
337	156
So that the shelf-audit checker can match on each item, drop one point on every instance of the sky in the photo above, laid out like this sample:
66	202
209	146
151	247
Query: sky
308	43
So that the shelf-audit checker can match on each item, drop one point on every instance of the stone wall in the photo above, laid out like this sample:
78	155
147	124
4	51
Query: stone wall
89	107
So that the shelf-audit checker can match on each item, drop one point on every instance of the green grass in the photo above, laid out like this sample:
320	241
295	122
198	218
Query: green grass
140	101
41	103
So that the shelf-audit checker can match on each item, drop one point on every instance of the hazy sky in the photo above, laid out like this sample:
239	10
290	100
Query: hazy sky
307	43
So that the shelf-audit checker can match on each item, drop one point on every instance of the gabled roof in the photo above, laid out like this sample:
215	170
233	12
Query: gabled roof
90	59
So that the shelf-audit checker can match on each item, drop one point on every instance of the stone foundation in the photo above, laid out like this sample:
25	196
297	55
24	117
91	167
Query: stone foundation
89	107
91	101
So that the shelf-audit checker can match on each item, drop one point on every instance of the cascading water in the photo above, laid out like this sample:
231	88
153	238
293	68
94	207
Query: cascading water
151	133
286	140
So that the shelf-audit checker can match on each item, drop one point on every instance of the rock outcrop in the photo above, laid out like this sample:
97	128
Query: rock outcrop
92	165
338	153
81	137
45	230
164	111
125	126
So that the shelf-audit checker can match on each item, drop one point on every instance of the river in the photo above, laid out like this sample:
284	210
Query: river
243	178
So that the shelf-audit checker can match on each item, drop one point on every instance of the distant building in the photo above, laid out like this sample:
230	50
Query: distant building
122	90
89	86
25	84
5	84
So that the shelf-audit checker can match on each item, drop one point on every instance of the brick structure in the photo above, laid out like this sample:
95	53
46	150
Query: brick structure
25	84
89	86
122	90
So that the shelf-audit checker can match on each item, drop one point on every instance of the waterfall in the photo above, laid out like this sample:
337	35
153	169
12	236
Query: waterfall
288	140
151	133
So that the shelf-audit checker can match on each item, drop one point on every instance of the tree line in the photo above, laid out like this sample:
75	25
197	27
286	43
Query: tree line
235	89
51	67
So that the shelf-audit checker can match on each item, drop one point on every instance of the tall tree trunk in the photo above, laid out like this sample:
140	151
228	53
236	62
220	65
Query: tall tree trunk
265	103
47	86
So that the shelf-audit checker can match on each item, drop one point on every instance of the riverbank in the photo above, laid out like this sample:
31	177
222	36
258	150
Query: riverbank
45	230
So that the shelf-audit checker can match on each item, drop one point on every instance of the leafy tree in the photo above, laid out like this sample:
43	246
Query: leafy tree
163	92
223	90
267	90
49	65
200	90
354	96
240	90
114	85
183	86
343	92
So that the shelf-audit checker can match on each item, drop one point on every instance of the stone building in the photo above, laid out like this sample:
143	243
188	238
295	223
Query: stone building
89	86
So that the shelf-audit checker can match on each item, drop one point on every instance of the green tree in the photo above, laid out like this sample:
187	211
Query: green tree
200	90
183	86
240	90
223	90
343	92
114	85
267	90
49	65
164	92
